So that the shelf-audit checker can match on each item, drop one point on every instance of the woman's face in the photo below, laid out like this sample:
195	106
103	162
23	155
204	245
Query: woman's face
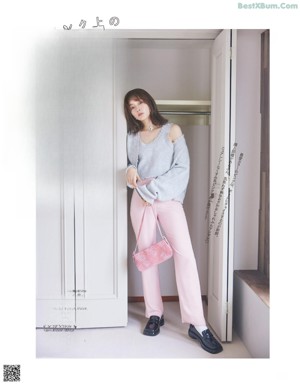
139	109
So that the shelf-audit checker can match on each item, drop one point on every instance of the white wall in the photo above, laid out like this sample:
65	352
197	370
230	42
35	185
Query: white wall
250	313
170	69
248	139
177	70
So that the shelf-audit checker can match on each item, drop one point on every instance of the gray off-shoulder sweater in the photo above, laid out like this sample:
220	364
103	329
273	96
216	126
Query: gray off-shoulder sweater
165	166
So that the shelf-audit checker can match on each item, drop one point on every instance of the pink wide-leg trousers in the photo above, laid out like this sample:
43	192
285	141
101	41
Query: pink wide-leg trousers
172	218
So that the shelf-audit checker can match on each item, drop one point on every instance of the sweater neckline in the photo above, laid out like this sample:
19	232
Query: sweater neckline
155	139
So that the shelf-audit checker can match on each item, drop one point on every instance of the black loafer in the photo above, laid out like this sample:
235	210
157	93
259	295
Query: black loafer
153	325
206	339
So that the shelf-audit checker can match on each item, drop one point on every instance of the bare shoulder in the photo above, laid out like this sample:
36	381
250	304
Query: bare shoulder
175	132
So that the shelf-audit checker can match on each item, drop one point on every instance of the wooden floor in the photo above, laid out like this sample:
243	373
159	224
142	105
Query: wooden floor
258	282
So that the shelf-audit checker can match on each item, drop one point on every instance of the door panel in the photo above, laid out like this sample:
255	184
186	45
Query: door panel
54	238
221	199
85	236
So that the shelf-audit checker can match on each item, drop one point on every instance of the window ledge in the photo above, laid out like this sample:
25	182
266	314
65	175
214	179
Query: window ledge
258	282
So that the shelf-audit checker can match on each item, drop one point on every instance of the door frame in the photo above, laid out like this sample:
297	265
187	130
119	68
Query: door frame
221	200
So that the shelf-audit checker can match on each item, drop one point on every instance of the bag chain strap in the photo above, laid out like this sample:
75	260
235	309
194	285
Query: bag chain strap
139	233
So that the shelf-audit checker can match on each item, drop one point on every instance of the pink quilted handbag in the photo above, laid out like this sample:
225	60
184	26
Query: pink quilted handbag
153	255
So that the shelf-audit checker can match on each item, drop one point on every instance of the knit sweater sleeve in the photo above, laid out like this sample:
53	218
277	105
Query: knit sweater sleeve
172	183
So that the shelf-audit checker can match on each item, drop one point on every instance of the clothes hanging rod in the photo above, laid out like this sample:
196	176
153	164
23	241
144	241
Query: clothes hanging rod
175	102
185	113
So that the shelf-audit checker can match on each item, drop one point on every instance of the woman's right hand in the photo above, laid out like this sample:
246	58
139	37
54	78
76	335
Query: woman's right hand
132	177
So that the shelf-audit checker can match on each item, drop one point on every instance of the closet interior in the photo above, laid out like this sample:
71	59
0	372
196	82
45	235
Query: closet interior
177	73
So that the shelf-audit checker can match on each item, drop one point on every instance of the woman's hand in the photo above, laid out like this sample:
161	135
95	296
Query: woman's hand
132	177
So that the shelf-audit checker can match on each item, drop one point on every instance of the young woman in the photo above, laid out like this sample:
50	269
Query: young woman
158	171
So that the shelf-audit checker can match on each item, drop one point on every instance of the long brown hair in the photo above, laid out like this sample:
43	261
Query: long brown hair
133	125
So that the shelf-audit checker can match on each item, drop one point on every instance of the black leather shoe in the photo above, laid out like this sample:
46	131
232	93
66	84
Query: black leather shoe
153	324
206	339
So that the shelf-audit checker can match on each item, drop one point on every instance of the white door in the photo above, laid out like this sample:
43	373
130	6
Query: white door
222	160
81	194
